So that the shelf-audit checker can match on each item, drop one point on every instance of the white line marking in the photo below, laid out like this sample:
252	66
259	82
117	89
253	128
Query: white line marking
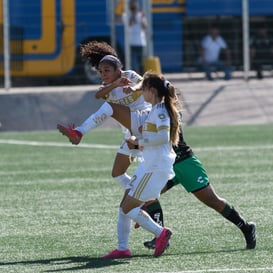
233	148
103	146
55	144
227	270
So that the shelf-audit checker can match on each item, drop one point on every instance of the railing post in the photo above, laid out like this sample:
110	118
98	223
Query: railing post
245	26
6	38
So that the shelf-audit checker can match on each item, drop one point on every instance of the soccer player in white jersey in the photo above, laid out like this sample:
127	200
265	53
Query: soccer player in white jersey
118	87
161	129
159	132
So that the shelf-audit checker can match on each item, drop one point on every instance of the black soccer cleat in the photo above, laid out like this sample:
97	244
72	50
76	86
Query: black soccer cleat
151	244
250	236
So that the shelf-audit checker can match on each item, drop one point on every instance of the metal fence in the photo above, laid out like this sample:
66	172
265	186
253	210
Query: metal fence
231	29
193	30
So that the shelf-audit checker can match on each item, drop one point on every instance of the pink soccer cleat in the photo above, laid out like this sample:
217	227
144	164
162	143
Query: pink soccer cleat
73	135
118	254
162	241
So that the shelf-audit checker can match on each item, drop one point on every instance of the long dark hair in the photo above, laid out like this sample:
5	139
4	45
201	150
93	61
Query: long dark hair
94	51
166	91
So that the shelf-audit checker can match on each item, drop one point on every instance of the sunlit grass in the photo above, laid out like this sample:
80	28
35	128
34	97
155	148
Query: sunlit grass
58	205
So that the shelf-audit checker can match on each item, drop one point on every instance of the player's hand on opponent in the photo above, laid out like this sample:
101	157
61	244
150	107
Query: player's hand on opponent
122	82
132	143
128	89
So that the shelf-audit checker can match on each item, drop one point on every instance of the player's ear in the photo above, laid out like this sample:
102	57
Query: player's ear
154	91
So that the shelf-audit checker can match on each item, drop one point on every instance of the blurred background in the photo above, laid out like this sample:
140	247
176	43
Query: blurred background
39	40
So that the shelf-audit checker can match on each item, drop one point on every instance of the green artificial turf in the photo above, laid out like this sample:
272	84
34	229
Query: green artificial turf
59	204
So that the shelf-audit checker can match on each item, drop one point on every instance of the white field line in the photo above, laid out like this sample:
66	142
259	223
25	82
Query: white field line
102	146
250	269
55	144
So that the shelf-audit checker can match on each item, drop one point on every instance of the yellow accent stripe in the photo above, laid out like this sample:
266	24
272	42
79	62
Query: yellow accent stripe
167	2
150	127
136	94
1	13
163	128
174	9
120	6
47	42
132	97
142	184
65	61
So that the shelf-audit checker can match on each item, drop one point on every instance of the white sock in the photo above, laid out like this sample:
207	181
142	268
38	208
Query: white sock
123	179
96	119
123	230
143	219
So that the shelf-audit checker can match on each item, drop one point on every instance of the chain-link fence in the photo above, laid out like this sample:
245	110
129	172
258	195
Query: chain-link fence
260	40
45	37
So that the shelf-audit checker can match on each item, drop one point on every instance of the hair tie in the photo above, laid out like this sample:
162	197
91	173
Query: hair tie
166	84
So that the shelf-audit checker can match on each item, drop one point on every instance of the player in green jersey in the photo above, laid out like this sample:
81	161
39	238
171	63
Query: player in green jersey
190	173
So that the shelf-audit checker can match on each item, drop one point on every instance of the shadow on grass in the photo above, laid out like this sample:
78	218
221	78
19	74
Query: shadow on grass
84	262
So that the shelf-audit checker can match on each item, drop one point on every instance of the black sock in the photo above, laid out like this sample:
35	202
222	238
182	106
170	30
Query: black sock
155	211
233	216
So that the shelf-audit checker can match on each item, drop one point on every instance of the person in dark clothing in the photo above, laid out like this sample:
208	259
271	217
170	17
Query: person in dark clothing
261	50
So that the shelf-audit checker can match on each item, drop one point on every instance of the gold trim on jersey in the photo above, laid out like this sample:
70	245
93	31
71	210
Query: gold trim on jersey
151	127
132	97
142	184
165	127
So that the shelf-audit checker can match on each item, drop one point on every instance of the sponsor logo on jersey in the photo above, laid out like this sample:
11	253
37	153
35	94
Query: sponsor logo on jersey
200	180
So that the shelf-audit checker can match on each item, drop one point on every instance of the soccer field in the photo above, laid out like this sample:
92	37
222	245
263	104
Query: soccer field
59	204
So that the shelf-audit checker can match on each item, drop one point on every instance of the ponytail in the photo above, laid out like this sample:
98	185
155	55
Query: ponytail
167	91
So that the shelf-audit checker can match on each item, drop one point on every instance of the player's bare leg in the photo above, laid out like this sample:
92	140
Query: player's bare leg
121	164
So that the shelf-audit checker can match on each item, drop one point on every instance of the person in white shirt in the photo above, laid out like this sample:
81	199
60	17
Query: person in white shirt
118	87
157	131
211	47
160	130
137	35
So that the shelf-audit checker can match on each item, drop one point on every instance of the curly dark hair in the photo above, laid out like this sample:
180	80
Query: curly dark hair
94	51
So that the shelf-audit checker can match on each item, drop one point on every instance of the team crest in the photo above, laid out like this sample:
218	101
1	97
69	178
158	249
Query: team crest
162	116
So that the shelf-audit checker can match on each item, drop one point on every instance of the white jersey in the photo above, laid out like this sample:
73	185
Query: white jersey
134	100
158	153
212	47
137	35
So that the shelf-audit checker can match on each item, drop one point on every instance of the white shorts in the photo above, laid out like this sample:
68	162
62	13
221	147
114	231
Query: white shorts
124	149
137	120
146	186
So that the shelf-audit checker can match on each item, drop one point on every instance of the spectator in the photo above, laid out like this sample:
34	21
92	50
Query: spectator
211	47
137	35
261	50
